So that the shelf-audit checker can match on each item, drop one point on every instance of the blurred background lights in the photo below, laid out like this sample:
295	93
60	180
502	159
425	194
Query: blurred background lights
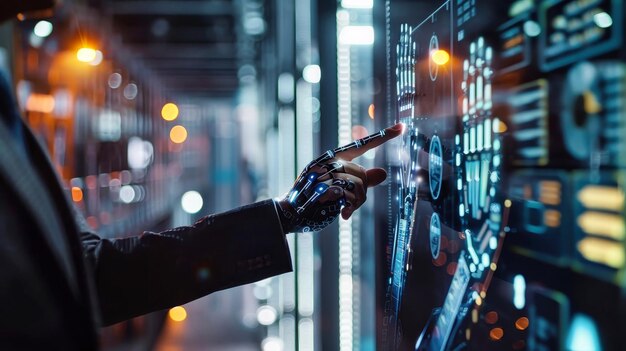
272	343
254	24
130	91
357	35
532	28
115	80
583	334
34	40
440	57
140	153
127	194
262	292
191	202
178	314
97	59
246	73
519	291
496	334
43	103
286	87
522	323
169	112
43	29
86	55
266	315
77	194
160	27
178	134
603	20
357	4
312	74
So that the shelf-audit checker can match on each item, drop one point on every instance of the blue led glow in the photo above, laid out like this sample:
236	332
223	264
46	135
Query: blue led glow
470	247
493	243
293	196
583	334
485	260
472	267
519	291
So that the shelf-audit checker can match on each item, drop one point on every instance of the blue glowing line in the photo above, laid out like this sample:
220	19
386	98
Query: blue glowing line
470	247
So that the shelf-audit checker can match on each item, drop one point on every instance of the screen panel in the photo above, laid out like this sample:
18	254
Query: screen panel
506	209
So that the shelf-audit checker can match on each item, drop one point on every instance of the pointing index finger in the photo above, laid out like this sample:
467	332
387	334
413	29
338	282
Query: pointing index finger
359	147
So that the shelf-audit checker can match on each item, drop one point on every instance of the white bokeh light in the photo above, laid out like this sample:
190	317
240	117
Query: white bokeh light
127	194
312	74
115	80
357	4
357	35
603	20
191	202
43	29
266	315
272	343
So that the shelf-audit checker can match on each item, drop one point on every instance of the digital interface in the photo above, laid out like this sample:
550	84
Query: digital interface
506	226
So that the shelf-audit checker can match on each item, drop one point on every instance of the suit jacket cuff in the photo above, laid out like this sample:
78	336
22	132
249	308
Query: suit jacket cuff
258	242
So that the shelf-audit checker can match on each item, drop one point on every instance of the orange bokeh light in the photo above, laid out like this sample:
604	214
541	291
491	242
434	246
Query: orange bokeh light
440	57
169	112
86	54
521	323
178	314
178	134
77	194
491	317
496	334
43	103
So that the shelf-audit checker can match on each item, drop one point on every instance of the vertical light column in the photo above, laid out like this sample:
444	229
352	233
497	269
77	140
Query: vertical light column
305	89
346	303
305	265
286	169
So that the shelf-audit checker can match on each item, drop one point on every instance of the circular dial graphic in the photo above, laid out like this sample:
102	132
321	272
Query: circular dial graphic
435	235
433	68
435	167
477	160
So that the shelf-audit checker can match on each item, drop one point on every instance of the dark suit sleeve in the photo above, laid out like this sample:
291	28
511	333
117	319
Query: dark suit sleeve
153	271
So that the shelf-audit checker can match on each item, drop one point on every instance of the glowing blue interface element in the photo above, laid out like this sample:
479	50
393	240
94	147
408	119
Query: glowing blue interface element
507	207
583	334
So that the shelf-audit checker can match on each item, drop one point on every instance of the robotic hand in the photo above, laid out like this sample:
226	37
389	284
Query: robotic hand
331	185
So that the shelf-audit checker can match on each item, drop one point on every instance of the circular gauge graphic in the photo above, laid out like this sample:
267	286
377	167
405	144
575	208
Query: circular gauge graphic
477	160
433	68
581	107
435	167
435	235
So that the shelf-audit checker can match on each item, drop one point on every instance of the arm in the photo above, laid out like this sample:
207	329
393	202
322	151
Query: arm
153	271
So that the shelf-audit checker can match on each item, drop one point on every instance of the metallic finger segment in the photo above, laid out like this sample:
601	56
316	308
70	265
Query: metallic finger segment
344	184
360	142
313	207
313	203
330	154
